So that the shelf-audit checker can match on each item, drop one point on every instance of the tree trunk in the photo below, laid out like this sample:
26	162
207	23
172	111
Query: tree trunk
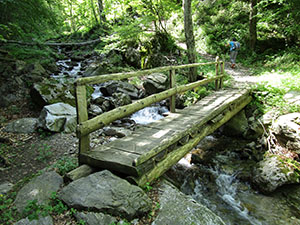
189	36
252	24
101	13
94	12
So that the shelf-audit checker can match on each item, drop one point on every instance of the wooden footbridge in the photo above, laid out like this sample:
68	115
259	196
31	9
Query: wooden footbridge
154	148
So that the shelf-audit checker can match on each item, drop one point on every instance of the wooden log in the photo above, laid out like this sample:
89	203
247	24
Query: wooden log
82	115
211	114
222	73
177	154
119	76
51	43
81	171
217	73
173	97
86	127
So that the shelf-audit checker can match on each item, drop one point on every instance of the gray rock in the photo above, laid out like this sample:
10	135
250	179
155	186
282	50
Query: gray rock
155	83
116	131
132	57
24	125
255	130
180	209
292	194
236	126
95	110
106	192
292	97
271	173
5	188
40	188
50	91
120	87
120	99
287	130
91	218
41	221
58	117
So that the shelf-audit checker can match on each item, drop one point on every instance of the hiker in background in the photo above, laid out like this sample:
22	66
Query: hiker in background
234	47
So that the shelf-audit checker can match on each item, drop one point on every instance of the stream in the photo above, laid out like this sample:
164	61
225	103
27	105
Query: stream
216	185
216	182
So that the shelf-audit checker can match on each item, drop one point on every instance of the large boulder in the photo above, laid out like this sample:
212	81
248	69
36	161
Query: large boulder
132	57
35	72
287	130
24	125
106	193
292	97
41	221
155	83
40	189
59	117
91	218
120	99
272	173
180	209
50	91
236	126
120	87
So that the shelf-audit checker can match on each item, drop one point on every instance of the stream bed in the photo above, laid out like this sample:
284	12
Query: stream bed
216	184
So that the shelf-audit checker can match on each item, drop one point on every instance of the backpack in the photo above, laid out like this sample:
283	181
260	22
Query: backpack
236	46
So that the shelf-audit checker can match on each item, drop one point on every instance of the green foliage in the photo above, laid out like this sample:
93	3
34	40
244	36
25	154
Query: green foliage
36	53
43	133
123	222
147	187
65	164
218	22
33	210
191	97
279	17
44	152
26	19
7	210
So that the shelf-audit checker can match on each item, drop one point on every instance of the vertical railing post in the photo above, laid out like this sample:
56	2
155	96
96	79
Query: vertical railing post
217	73
173	97
82	115
222	73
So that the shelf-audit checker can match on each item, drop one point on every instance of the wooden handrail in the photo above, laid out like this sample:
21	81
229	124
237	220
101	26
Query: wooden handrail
86	126
119	76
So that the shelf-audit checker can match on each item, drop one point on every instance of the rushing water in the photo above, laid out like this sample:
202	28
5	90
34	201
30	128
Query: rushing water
149	114
66	70
216	185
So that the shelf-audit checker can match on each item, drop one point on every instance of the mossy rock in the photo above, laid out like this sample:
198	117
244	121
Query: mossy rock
51	91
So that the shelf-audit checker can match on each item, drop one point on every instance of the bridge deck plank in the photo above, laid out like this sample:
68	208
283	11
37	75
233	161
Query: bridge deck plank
119	155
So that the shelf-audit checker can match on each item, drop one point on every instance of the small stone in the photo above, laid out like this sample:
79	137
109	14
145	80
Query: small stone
5	187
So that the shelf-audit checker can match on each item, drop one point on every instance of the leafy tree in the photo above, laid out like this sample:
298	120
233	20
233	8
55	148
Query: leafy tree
253	24
26	19
189	36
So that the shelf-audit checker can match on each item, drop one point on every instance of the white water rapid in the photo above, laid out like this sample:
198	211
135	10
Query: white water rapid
149	114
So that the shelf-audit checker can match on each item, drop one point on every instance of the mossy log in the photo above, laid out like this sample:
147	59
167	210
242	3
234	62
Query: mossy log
120	76
62	44
81	171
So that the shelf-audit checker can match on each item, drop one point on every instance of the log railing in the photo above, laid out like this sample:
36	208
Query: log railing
86	126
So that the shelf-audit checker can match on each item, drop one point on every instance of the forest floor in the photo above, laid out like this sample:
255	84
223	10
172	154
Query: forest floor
23	155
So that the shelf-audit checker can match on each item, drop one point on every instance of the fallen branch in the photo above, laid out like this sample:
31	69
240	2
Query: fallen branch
51	44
